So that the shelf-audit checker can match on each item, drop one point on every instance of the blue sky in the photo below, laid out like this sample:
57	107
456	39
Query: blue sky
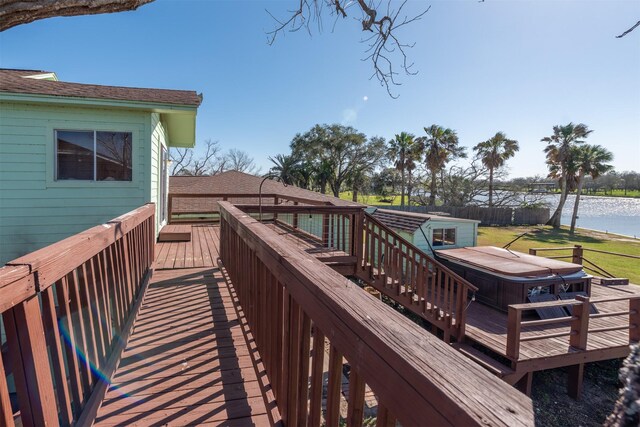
513	66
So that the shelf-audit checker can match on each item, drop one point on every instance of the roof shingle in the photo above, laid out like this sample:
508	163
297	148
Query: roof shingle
14	81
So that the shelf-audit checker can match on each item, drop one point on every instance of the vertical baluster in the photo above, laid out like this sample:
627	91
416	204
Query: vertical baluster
94	306
106	299
6	413
71	347
332	417
303	380
295	324
317	372
50	321
82	287
81	334
384	418
283	399
356	399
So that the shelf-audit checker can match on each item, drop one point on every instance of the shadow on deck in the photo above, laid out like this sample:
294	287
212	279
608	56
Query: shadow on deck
189	359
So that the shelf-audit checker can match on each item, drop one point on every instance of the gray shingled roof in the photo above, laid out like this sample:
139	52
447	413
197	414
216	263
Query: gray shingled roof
14	81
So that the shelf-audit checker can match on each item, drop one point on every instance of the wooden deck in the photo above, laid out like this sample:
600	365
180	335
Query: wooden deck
202	250
190	359
488	327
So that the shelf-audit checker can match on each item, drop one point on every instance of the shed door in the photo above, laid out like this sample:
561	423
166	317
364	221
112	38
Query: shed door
164	191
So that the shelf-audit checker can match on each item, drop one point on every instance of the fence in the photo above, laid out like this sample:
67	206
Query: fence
486	216
67	310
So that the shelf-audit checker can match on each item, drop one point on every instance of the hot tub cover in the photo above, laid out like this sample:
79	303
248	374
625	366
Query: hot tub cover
508	262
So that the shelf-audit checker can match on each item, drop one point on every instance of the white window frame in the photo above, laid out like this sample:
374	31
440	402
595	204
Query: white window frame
444	231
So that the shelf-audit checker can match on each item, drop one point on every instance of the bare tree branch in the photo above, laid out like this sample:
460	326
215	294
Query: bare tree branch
384	51
14	12
629	30
210	163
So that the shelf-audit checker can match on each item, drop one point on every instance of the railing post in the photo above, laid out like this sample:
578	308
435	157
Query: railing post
295	217
169	208
634	319
576	256
533	251
580	323
461	308
514	320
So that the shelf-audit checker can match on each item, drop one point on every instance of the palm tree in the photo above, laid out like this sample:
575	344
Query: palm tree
440	146
590	160
286	167
559	149
494	152
403	151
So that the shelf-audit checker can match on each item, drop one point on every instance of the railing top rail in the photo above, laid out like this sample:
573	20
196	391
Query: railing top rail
417	375
54	261
251	196
546	304
611	253
561	248
444	268
311	209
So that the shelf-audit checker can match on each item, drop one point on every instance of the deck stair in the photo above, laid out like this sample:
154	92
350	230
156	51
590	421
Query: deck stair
484	360
175	233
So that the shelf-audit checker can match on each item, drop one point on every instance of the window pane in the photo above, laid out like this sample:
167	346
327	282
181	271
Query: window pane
437	237
113	158
75	154
450	236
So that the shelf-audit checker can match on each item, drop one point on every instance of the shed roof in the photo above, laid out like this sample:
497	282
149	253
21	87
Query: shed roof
238	183
26	82
411	221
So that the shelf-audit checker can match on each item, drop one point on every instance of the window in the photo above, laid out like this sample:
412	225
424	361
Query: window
93	155
444	236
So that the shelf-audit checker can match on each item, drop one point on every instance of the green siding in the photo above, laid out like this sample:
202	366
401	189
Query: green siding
36	210
158	140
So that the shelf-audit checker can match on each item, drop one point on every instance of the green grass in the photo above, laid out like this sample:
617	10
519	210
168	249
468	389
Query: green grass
547	237
371	199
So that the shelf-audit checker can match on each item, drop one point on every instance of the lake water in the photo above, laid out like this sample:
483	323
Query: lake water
620	215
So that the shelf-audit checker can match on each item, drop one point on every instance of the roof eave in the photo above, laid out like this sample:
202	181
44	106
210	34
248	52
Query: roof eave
157	107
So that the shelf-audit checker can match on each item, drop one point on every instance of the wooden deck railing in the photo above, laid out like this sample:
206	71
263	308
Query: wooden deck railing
408	275
296	307
577	324
577	256
203	206
66	310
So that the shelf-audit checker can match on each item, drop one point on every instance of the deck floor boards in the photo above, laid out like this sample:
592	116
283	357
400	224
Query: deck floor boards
488	327
189	360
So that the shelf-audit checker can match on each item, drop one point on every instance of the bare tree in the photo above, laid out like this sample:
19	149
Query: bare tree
380	22
241	161
14	13
210	163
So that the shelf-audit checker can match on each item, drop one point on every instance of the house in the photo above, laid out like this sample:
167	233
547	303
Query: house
429	232
76	155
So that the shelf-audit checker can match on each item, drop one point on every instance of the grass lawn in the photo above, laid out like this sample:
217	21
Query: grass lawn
371	199
547	237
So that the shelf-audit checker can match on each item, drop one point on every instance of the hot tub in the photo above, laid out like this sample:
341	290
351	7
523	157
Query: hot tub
506	277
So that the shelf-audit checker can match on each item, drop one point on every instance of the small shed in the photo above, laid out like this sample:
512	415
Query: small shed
442	232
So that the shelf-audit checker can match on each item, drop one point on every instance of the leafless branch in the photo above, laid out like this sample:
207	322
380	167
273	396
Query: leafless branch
384	49
629	30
